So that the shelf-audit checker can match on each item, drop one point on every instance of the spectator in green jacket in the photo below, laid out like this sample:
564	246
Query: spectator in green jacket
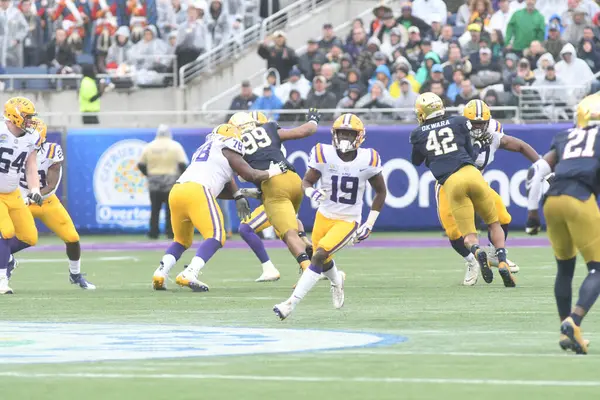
524	27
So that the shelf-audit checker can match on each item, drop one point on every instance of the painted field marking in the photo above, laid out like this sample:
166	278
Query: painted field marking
283	378
462	354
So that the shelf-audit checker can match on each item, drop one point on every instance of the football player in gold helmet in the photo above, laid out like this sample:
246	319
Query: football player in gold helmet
444	144
52	213
572	215
18	144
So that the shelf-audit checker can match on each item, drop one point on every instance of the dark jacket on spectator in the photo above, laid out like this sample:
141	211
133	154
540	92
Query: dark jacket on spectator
282	59
322	101
64	54
554	47
293	105
337	85
592	58
354	49
326	45
414	21
305	63
353	78
240	103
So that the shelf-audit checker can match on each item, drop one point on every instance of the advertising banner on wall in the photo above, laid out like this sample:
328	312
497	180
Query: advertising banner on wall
107	193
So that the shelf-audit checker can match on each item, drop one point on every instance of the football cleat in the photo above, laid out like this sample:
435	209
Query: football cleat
472	274
512	267
4	288
337	295
159	279
484	267
573	333
12	265
270	275
283	310
78	279
188	279
566	344
505	274
493	260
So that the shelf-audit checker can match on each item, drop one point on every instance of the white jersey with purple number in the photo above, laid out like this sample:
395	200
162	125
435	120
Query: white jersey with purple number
14	152
49	154
209	167
486	156
344	182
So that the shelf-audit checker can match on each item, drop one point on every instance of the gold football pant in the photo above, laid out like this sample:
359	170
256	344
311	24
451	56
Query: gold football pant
54	215
16	219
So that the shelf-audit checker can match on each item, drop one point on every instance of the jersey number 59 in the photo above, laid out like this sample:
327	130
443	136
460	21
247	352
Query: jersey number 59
255	139
441	142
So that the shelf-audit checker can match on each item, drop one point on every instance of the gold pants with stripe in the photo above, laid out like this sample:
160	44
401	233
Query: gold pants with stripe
331	235
573	225
467	192
447	219
193	206
282	197
16	219
54	215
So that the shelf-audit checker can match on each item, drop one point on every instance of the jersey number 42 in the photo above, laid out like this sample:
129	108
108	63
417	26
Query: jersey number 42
441	142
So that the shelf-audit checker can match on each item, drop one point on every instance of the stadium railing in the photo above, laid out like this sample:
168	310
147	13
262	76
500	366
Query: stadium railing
551	103
232	49
151	119
16	82
257	79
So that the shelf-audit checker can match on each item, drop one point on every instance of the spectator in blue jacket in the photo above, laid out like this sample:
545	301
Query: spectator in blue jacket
243	101
268	101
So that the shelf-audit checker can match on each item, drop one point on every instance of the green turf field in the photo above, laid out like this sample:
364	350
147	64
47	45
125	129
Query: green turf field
483	342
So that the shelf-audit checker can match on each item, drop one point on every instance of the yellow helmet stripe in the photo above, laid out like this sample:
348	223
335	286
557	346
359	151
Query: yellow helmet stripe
320	155
347	119
478	109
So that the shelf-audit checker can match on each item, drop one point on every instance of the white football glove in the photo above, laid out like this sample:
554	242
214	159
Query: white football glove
316	195
242	206
277	168
364	231
35	197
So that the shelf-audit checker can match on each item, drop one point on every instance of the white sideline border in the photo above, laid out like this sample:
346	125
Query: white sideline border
283	378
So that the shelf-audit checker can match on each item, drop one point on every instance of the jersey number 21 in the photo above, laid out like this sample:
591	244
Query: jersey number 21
441	142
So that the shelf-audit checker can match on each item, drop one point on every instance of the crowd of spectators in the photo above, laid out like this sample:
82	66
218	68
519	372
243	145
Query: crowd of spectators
507	53
118	36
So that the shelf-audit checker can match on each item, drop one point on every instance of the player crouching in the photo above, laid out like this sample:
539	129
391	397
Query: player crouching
343	170
51	212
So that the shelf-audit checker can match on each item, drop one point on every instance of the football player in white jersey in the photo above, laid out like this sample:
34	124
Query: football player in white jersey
344	170
51	212
19	141
193	204
488	137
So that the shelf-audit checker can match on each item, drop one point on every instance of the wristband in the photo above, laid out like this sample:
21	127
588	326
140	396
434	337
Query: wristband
314	122
372	218
238	195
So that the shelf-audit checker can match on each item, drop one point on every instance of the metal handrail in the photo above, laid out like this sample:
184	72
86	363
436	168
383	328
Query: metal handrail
299	51
230	50
534	102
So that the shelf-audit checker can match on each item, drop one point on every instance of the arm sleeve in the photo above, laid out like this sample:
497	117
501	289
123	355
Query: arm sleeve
234	144
55	153
375	164
535	178
416	157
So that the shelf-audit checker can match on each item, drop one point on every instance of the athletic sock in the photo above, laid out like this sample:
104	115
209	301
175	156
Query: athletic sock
256	245
459	246
563	291
501	254
306	282
75	266
589	290
332	273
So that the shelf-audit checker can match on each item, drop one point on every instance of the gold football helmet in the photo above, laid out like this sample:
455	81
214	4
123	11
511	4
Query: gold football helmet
479	114
348	133
588	111
259	117
243	120
428	106
19	111
226	131
39	126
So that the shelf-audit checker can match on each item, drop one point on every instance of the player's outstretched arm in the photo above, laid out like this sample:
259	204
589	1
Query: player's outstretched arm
305	130
378	184
33	179
52	180
513	144
535	177
249	174
310	179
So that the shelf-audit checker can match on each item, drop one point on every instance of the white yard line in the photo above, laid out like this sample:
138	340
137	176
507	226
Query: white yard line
284	378
384	352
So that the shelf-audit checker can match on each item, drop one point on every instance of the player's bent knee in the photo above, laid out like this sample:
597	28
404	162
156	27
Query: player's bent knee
7	232
244	230
320	256
185	243
453	234
30	238
504	218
